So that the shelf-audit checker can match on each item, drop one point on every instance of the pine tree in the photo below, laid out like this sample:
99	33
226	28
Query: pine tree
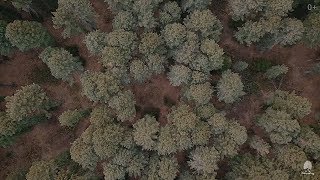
218	123
231	139
230	87
199	93
309	141
82	151
61	63
170	12
279	125
98	86
192	5
276	71
295	105
166	142
312	27
183	118
106	140
291	156
204	23
74	17
156	63
124	20
124	105
151	43
139	71
71	117
174	34
179	75
249	167
145	132
206	111
125	40
29	101
96	41
26	35
257	143
41	170
204	160
5	46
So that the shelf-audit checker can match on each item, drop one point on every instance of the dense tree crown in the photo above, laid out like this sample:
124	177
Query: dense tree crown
5	46
192	60
74	17
27	35
61	63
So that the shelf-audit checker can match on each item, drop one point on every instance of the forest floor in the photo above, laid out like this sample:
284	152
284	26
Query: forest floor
48	139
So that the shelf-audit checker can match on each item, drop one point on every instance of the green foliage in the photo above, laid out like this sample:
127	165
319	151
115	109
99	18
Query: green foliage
250	167
204	160
230	87
309	141
98	86
28	35
96	42
312	26
139	71
174	34
204	23
257	143
183	118
151	43
156	63
210	59
206	111
240	66
124	105
107	140
61	63
191	5
117	5
279	125
276	71
166	141
24	5
29	101
199	93
144	10
125	40
295	105
5	45
74	17
170	12
82	151
168	168
250	32
41	170
124	20
162	168
218	122
70	118
291	156
229	142
145	132
201	133
179	75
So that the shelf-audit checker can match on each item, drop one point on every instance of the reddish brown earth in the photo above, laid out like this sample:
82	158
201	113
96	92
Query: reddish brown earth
48	139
